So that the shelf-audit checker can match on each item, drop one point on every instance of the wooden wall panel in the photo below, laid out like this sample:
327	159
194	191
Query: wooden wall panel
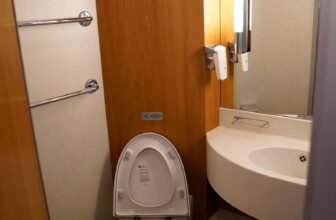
21	192
153	60
227	35
212	86
212	37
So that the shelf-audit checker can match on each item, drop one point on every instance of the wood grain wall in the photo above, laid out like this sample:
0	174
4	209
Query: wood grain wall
218	27
21	192
212	36
153	60
212	86
227	35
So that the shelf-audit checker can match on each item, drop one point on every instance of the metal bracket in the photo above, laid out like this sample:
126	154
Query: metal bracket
209	54
85	14
91	83
263	123
233	54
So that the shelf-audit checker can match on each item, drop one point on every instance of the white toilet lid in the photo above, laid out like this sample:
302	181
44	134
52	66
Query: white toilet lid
150	179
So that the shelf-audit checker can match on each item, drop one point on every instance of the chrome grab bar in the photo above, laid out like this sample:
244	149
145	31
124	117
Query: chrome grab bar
84	18
90	87
265	124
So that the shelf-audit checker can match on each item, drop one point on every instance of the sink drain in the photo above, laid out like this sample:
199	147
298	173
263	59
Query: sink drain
303	158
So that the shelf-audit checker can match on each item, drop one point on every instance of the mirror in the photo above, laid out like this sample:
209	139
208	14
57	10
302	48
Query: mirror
280	79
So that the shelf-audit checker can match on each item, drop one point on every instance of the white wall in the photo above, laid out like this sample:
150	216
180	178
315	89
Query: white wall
280	61
71	135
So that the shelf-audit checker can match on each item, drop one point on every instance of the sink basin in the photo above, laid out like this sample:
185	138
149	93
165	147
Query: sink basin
258	173
284	161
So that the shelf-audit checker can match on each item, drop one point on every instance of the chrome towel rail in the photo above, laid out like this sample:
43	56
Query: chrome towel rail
84	18
90	87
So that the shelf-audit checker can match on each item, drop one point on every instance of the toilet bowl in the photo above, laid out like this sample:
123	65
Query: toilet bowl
150	180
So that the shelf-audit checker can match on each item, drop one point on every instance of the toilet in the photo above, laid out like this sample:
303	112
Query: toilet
150	181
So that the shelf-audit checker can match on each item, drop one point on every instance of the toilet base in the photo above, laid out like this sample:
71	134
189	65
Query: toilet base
162	218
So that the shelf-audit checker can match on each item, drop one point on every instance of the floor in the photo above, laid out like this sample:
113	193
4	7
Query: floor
227	215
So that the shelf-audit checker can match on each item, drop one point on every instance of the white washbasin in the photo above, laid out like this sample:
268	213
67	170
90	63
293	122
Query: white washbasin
285	161
258	170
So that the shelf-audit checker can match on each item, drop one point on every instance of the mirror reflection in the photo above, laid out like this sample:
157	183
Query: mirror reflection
280	76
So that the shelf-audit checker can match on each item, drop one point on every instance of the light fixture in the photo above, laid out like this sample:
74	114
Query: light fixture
250	14
242	28
238	16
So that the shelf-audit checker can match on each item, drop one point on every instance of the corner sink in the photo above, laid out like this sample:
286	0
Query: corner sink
258	172
284	161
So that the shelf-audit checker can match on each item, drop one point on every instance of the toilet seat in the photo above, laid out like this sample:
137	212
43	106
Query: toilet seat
150	179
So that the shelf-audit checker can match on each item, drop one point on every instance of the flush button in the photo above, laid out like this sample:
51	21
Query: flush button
152	116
